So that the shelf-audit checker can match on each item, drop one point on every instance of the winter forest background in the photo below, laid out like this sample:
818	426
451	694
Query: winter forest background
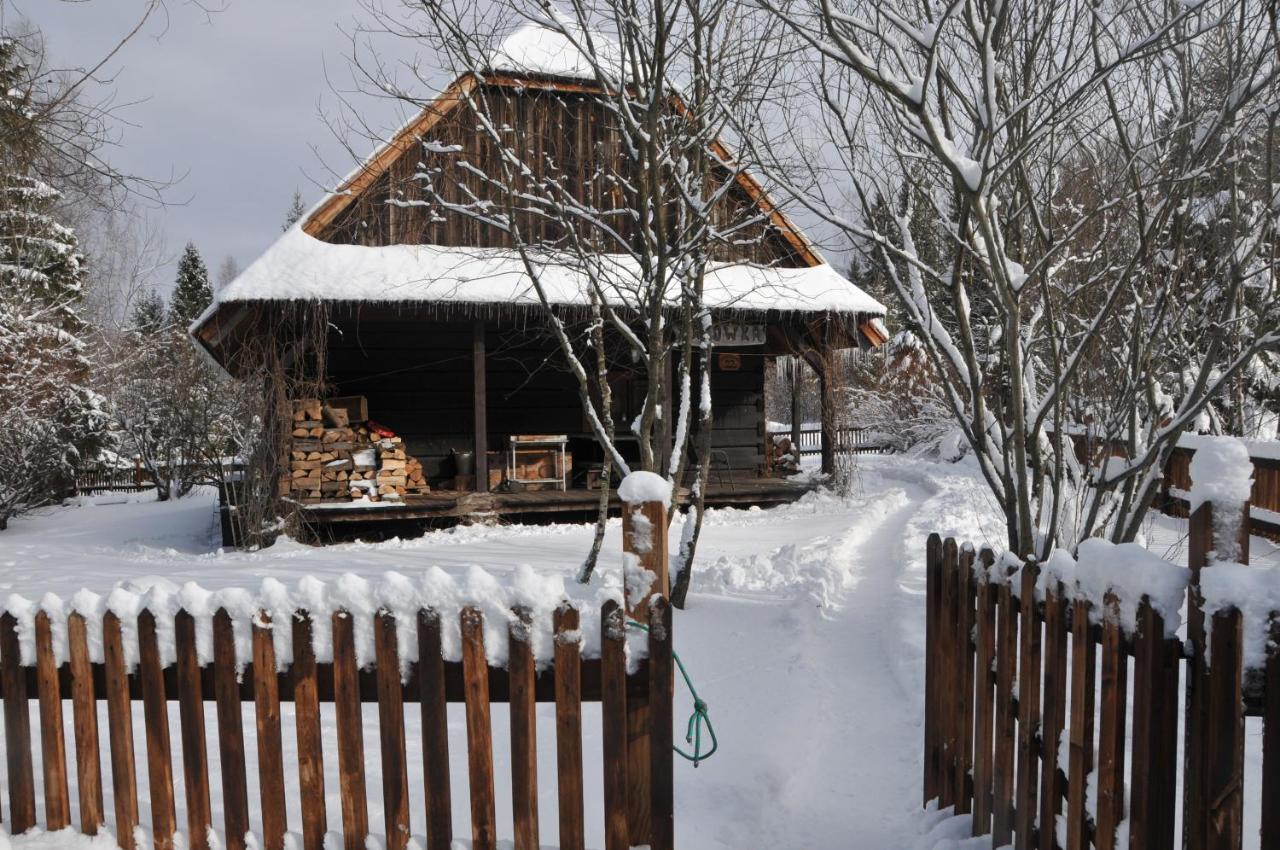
1075	232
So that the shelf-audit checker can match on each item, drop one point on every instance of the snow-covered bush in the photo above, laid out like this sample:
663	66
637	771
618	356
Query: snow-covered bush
896	397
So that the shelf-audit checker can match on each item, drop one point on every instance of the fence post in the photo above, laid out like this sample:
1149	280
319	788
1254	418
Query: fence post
1212	793
933	604
644	545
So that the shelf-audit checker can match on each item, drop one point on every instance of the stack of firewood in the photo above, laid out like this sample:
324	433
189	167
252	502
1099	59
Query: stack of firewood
334	458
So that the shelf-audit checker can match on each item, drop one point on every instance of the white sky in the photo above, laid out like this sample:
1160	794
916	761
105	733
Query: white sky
230	101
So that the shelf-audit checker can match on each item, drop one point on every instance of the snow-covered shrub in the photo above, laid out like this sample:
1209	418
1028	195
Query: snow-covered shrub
897	398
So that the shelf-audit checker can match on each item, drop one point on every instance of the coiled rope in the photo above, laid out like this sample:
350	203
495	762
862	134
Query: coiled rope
700	717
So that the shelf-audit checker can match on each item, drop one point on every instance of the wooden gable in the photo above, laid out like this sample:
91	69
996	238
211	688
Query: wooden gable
564	131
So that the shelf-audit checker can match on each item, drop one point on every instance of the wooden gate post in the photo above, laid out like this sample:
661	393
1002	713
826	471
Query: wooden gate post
644	547
1212	792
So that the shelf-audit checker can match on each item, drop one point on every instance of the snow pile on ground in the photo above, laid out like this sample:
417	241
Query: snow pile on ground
804	634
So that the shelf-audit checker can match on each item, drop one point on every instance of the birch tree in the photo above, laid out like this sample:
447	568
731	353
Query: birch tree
640	218
1079	156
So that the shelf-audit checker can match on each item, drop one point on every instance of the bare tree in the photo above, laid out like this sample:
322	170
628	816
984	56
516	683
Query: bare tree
642	225
1074	152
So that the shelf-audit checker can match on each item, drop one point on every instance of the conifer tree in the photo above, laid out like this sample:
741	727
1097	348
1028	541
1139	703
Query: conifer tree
296	209
192	294
149	314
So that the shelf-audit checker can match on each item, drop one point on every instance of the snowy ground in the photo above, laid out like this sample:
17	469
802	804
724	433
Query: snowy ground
804	634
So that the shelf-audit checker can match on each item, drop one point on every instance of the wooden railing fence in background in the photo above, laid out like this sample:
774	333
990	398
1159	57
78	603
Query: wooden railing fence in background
856	440
1009	667
432	683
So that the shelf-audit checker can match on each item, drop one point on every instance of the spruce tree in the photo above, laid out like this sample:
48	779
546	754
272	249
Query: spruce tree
148	314
296	209
191	294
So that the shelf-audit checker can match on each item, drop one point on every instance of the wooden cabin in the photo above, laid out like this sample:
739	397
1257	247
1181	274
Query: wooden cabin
433	321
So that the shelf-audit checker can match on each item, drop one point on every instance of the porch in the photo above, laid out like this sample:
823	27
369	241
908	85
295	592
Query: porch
575	503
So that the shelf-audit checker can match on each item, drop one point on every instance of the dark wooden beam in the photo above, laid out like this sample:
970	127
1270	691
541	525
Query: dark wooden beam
481	407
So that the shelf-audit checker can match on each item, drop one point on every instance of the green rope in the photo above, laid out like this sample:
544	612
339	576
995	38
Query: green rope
700	717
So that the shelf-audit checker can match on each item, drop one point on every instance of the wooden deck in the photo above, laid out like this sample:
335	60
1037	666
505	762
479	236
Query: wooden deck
445	504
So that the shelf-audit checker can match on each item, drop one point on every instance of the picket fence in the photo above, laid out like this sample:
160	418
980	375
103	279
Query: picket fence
636	709
1007	672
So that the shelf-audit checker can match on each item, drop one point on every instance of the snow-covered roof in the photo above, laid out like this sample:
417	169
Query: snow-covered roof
300	267
537	50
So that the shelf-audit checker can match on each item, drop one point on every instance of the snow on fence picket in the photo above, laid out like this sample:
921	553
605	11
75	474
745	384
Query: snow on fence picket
234	649
1021	658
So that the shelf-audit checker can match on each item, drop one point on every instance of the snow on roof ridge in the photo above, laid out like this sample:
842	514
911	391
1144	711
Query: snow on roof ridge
299	267
553	51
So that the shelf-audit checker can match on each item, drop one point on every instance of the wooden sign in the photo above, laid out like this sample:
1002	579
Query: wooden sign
733	334
729	362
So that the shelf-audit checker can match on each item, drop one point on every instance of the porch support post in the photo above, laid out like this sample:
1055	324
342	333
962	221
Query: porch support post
480	406
822	361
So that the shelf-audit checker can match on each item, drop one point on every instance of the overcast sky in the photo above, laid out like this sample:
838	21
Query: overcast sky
230	101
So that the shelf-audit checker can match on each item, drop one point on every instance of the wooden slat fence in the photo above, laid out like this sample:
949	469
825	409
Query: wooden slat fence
1043	708
218	767
111	479
857	440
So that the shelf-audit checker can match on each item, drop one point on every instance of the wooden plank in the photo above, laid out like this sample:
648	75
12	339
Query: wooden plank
1003	766
1052	784
53	745
266	698
932	694
948	679
155	711
963	776
524	731
350	726
1111	728
17	729
568	675
195	760
480	410
1271	743
306	710
1028	710
1195	803
124	781
984	710
395	768
1083	680
613	708
661	697
231	760
1224	752
1151	808
475	667
435	732
84	710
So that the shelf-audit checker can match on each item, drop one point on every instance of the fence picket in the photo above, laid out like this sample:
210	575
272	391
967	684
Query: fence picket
1028	708
1224	750
1054	688
17	729
984	712
475	673
1271	743
661	684
53	745
266	697
306	709
164	818
1111	732
948	667
350	726
1002	769
395	773
195	759
435	732
231	761
1152	803
933	611
1083	676
963	775
84	710
524	731
124	782
613	709
568	670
